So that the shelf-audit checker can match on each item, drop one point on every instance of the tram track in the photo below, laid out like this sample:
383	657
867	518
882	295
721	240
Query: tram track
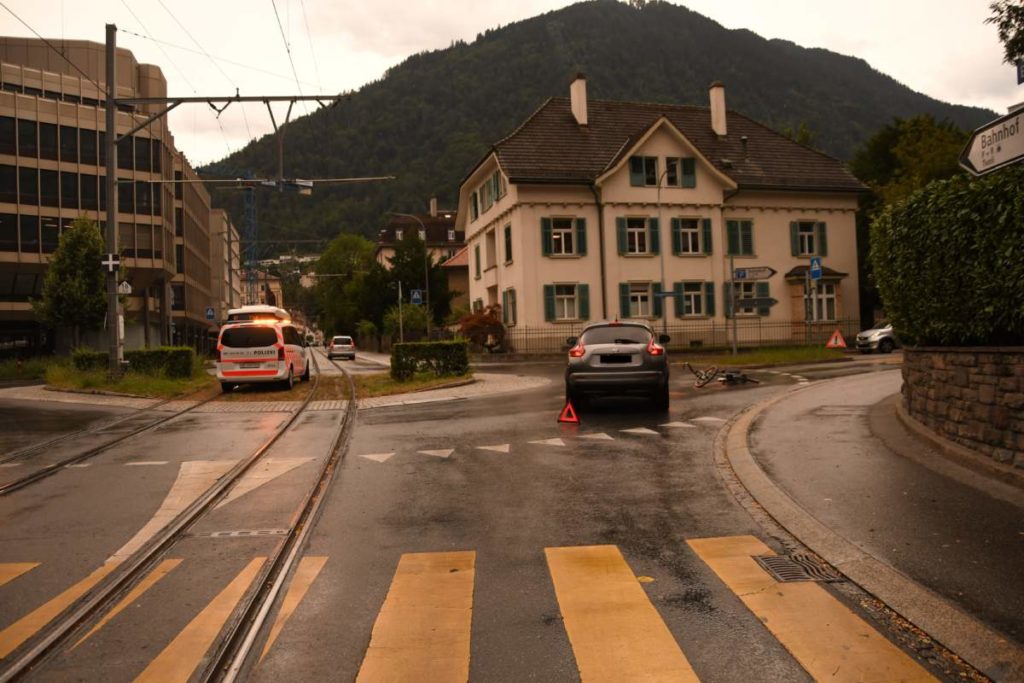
135	567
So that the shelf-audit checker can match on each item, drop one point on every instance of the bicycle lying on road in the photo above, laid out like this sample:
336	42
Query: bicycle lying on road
730	377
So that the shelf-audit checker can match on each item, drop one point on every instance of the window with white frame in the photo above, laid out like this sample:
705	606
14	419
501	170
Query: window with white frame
693	298
805	235
562	237
423	235
640	300
398	234
636	236
451	235
566	304
689	236
508	307
745	290
824	302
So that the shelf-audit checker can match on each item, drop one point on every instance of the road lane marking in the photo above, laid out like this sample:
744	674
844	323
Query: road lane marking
615	632
600	436
640	430
305	574
179	660
549	442
678	425
706	419
263	472
194	477
9	571
501	448
160	572
145	463
828	640
8	465
422	632
377	457
26	627
77	466
443	453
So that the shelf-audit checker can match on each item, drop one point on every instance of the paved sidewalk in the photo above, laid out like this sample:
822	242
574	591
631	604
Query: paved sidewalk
941	544
40	393
486	384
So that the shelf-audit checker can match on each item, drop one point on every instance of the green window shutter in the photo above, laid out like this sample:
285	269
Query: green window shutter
620	234
545	236
504	307
822	245
476	259
709	299
656	304
623	300
549	302
727	298
654	234
677	299
512	315
583	291
794	238
636	171
705	226
581	236
732	229
762	290
677	236
689	172
747	238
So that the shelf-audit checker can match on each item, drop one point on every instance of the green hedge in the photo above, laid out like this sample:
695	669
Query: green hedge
442	357
949	261
169	361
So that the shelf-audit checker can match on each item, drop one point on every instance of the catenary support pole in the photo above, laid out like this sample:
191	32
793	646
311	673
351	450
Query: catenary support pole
116	351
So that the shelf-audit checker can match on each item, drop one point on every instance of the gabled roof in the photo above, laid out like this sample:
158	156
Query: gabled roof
550	147
459	260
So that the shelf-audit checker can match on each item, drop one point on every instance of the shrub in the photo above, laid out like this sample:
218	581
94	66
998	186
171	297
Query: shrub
169	361
86	359
484	327
442	357
949	261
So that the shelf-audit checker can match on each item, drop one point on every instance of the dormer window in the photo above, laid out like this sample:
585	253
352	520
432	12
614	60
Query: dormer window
398	234
680	172
423	235
451	235
643	171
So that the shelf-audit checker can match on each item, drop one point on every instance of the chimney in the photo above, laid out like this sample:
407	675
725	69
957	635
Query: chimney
717	96
433	207
578	99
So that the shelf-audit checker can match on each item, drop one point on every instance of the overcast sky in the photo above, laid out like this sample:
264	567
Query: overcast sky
941	48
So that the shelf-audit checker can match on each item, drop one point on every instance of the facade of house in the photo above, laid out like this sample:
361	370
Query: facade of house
52	171
225	257
457	270
436	228
602	210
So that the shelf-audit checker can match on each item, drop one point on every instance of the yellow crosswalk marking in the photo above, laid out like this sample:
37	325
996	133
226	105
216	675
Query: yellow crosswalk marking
830	641
23	629
615	632
305	574
160	572
9	571
182	656
422	632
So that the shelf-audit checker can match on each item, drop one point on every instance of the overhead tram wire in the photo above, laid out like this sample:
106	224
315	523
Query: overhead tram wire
288	49
312	51
50	45
248	131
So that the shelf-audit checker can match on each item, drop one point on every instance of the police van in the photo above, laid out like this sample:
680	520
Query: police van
260	344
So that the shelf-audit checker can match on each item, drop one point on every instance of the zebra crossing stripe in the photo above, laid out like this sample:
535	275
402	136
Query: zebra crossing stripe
9	571
422	632
615	632
830	641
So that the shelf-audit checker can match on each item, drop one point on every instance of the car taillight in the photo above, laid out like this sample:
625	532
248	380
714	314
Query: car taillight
280	353
655	349
577	351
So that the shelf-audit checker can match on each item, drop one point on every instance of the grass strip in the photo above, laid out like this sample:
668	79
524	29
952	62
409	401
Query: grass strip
383	384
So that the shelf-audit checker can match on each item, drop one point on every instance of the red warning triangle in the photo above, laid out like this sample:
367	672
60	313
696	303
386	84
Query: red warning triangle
836	341
569	414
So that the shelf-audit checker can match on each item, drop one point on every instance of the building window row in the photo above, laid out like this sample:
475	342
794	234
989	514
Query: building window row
679	172
38	139
20	89
43	187
31	234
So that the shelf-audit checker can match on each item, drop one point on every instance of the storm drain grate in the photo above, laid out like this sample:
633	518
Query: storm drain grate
788	568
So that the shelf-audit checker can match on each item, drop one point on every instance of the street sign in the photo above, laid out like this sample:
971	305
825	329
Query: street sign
416	297
757	302
753	273
815	267
210	313
112	262
124	288
994	145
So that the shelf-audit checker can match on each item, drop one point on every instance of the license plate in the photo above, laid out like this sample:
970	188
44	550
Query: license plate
250	365
616	358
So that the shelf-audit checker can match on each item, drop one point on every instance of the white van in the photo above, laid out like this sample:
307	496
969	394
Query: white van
261	350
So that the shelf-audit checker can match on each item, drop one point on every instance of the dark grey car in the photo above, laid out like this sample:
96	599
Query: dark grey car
616	359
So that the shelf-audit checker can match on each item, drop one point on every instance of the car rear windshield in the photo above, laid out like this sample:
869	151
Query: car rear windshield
619	334
248	337
343	340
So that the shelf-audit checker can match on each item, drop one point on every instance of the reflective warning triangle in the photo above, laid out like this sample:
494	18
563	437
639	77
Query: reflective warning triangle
836	341
569	414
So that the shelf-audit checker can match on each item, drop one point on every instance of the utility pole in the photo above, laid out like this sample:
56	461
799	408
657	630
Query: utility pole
116	352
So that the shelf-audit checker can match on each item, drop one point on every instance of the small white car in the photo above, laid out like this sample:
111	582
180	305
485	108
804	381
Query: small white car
342	346
879	338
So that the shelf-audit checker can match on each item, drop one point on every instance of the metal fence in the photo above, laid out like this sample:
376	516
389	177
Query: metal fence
696	335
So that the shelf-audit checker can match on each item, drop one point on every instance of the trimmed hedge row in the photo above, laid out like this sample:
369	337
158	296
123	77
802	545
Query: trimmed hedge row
170	361
949	262
442	357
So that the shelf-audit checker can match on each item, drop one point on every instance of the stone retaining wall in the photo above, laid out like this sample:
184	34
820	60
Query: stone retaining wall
973	396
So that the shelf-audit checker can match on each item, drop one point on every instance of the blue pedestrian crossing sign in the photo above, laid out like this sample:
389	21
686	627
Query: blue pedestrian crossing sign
416	296
210	313
816	268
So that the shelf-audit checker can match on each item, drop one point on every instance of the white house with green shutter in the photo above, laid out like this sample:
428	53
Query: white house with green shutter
598	210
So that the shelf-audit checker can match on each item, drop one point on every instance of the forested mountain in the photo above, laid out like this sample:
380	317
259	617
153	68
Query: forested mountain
430	119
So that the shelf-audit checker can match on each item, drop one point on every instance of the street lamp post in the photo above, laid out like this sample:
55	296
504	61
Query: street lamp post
426	263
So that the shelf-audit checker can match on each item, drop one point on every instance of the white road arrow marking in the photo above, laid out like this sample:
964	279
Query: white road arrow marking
502	448
265	471
707	419
678	424
600	436
640	430
377	457
550	442
443	453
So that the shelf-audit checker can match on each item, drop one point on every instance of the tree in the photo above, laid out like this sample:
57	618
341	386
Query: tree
412	324
346	259
75	287
407	267
1008	16
484	327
